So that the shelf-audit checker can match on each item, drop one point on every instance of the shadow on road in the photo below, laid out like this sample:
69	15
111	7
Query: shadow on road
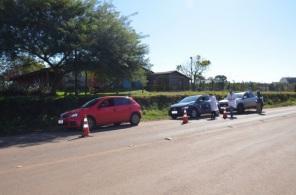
36	138
247	112
52	136
205	116
55	135
111	128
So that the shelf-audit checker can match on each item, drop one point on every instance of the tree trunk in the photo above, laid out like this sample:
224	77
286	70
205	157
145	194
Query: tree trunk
58	76
75	75
76	82
85	83
212	85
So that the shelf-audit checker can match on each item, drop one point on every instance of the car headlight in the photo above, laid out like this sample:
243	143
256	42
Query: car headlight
74	115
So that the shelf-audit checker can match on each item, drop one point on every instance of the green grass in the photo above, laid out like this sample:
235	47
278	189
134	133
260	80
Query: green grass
155	114
140	93
281	104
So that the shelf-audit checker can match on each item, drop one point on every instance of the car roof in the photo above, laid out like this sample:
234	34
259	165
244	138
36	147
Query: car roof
194	96
106	97
242	93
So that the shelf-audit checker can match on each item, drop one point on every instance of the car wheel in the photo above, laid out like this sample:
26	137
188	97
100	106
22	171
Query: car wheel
240	109
217	113
194	113
91	123
135	119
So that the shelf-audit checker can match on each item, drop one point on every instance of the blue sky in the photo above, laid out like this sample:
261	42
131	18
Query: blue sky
246	40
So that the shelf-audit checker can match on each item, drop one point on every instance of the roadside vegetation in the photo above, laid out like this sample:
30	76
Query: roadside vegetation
36	113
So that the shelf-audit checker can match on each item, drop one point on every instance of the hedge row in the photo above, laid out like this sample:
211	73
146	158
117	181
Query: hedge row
24	114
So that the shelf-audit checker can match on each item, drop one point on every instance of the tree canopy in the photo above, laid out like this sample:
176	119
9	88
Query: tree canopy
71	35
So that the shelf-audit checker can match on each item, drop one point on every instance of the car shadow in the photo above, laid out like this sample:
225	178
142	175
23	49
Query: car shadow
205	116
248	112
53	135
38	137
111	128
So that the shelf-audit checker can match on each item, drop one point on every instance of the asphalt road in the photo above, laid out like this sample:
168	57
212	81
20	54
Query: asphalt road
253	154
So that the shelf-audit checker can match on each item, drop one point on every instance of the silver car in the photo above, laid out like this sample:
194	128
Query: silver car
243	100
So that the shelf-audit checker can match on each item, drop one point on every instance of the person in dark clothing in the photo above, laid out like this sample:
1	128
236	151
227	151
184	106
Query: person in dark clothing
259	102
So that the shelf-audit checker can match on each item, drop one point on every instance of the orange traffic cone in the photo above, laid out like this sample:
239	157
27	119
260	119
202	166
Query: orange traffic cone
185	117
85	130
224	114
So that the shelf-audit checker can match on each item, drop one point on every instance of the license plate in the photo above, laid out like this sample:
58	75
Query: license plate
60	122
174	112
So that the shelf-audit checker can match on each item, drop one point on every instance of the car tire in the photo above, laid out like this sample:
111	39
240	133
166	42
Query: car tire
194	113
240	109
217	113
91	123
135	119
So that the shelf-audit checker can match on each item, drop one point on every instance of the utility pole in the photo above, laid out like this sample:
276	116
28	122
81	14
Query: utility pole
191	72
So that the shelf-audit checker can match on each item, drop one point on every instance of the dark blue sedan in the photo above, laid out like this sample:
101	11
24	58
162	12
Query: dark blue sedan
194	106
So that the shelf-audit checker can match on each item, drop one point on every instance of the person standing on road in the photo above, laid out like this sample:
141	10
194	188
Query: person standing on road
214	106
259	102
231	102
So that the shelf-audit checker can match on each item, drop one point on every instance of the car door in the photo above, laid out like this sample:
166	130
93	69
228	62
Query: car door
105	112
204	104
122	108
247	100
253	100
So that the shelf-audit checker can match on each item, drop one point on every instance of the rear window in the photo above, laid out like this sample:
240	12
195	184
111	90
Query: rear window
204	98
122	101
251	95
107	103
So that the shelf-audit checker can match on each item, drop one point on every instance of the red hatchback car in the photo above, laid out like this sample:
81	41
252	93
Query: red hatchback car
103	111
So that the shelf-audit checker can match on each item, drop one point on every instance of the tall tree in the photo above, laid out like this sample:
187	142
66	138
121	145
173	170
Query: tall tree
117	47
71	35
211	81
194	69
42	30
220	80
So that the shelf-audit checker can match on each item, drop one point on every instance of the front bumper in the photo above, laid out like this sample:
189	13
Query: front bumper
222	108
178	112
69	123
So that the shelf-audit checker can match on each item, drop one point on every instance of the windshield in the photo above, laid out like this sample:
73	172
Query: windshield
239	95
90	103
189	99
